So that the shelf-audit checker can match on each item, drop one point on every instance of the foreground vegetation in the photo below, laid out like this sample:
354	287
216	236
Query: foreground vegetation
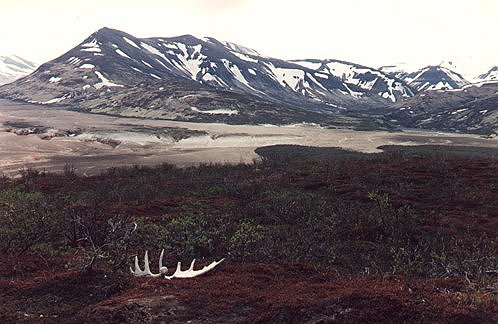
422	213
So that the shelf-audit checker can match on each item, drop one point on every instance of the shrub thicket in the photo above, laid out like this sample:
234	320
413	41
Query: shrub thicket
270	211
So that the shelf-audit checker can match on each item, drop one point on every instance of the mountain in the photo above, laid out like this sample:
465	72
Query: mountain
472	109
491	75
434	77
111	61
13	67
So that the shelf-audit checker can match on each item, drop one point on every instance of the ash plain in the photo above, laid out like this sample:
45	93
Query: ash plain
49	138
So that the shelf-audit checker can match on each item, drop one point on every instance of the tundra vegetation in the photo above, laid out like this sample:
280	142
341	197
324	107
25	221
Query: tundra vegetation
423	213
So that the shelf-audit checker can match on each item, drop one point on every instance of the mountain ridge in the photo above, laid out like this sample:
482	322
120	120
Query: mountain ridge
122	60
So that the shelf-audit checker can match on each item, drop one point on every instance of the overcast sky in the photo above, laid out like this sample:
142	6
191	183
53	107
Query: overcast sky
369	32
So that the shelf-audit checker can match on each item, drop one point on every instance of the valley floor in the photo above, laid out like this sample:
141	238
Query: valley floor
45	137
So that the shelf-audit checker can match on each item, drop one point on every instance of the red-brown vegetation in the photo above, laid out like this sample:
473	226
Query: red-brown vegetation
451	199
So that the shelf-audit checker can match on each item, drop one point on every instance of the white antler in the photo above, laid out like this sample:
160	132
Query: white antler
190	272
179	273
146	272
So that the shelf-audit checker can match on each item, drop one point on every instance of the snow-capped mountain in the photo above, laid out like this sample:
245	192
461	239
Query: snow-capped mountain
110	60
434	77
491	75
13	67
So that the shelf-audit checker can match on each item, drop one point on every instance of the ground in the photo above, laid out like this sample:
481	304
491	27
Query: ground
251	292
454	195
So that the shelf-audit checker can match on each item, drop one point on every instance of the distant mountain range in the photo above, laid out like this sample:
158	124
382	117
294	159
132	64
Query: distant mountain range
13	67
116	73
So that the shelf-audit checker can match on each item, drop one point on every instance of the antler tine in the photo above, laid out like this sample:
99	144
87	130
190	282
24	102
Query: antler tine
161	259
162	269
191	266
177	271
137	270
147	266
178	267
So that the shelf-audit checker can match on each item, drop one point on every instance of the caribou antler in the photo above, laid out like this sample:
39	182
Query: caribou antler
190	272
146	272
179	273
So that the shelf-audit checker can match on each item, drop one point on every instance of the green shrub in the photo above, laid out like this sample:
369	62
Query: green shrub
26	219
247	241
196	234
392	223
285	206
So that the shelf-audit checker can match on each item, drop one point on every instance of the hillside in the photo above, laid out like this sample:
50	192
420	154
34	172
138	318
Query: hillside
181	99
309	235
472	109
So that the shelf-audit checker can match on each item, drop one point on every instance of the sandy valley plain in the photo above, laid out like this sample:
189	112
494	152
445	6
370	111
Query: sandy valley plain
48	138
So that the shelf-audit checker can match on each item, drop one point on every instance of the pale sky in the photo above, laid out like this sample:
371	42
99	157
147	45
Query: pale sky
369	32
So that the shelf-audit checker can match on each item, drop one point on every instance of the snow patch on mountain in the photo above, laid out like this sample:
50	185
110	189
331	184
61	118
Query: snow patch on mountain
54	80
153	51
241	49
87	66
74	60
188	59
132	43
55	100
220	111
104	82
287	77
244	57
123	54
92	43
92	49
